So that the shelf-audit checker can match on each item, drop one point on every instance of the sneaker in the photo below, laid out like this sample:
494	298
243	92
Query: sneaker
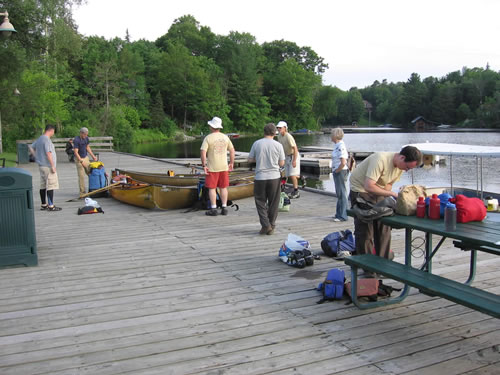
343	254
294	195
44	208
211	212
336	220
54	208
223	211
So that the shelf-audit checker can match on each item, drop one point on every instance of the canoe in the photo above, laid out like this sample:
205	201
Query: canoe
135	193
167	197
180	179
174	197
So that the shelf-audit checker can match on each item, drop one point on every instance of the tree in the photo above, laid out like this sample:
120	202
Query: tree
186	30
350	107
241	59
279	51
326	104
291	90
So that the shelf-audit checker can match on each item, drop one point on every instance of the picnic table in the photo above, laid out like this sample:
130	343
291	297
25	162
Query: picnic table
473	236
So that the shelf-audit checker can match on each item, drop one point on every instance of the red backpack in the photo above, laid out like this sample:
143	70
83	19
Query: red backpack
469	209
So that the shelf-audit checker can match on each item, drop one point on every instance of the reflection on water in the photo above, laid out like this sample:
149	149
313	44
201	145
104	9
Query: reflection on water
464	169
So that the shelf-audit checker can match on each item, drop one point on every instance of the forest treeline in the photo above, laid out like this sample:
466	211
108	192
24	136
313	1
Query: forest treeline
143	91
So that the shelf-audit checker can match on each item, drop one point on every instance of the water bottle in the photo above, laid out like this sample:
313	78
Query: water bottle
450	217
421	207
435	207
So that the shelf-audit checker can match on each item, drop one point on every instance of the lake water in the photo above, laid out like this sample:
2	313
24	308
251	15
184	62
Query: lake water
464	169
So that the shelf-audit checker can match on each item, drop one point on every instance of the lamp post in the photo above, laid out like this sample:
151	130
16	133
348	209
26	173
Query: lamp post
6	30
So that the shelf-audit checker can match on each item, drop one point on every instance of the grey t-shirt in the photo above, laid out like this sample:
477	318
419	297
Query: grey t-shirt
267	153
41	146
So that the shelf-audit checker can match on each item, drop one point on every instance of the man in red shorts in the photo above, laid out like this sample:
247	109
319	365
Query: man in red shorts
214	162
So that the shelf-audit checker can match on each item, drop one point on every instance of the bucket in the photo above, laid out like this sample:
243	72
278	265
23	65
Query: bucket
492	205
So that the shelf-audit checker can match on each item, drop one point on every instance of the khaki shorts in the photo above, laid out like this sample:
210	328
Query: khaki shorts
289	169
48	180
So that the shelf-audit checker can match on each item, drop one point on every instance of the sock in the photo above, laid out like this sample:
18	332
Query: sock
43	193
50	197
214	207
224	205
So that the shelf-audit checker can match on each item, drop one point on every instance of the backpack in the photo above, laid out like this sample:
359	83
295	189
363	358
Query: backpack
203	201
89	210
337	242
333	286
284	205
371	289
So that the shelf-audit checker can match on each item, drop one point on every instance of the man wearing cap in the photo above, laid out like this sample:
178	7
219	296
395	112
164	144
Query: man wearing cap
214	162
292	161
268	156
81	148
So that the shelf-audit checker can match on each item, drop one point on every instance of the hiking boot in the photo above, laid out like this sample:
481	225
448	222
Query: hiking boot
266	230
211	212
294	195
223	211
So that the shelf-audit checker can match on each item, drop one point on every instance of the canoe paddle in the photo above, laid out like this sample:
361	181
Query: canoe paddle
96	191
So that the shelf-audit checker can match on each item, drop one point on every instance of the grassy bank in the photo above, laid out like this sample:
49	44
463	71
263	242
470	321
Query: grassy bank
10	159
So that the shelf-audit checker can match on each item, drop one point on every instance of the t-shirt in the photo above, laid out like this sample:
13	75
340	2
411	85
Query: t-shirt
267	154
41	146
288	143
216	145
81	145
339	152
379	167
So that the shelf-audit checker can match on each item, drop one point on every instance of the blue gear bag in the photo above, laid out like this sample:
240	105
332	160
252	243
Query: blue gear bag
333	286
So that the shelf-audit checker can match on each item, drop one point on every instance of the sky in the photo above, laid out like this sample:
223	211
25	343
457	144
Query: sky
361	40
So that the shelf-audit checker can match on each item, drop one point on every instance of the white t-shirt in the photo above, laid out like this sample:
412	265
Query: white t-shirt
339	152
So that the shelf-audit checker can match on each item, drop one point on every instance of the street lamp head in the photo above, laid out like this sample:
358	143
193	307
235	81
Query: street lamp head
6	28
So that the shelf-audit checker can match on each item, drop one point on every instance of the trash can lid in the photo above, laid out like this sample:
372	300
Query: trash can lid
15	178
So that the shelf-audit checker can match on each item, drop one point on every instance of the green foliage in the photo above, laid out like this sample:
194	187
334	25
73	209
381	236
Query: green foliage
139	91
350	107
148	136
291	90
10	159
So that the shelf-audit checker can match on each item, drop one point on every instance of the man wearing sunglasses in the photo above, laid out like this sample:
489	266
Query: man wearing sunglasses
372	180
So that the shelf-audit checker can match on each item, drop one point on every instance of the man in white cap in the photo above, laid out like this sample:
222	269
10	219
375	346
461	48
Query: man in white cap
214	162
292	160
81	149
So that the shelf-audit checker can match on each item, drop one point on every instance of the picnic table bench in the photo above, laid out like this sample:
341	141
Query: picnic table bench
473	237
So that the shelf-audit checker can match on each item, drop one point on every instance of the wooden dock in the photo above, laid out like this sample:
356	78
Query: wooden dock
134	291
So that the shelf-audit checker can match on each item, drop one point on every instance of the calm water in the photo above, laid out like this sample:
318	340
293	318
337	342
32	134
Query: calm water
464	169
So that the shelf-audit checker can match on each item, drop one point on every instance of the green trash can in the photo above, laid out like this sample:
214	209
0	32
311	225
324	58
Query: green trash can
17	218
23	153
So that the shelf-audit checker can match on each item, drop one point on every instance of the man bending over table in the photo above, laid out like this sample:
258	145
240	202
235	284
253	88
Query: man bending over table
372	180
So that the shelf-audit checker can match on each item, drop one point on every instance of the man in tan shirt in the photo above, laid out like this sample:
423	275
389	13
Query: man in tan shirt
292	157
214	162
372	180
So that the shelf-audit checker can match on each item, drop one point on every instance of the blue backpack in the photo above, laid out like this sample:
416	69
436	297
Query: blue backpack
338	241
333	286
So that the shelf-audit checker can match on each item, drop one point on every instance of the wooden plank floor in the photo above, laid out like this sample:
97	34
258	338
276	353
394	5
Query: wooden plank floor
135	291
